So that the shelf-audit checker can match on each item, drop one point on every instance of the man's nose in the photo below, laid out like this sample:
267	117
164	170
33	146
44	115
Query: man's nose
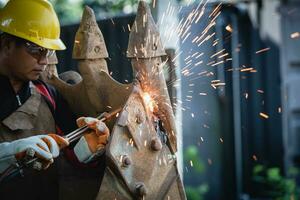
43	60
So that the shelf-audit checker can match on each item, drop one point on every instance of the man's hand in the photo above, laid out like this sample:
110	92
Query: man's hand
94	140
45	147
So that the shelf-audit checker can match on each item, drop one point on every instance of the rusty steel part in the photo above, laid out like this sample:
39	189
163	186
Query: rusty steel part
113	187
93	94
135	169
70	77
149	72
144	39
89	42
171	71
148	66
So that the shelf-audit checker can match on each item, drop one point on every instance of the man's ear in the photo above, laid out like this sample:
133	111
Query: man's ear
6	45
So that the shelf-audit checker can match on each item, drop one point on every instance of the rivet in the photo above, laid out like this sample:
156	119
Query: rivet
139	119
156	144
140	189
97	49
126	161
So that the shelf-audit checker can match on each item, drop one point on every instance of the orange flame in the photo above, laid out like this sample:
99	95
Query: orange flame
149	102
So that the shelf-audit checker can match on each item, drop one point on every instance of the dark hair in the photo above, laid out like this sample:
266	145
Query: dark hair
18	41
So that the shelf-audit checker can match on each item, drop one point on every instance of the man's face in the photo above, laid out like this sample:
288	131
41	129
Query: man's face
26	61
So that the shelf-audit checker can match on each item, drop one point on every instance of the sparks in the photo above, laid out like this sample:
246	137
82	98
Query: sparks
260	91
112	21
215	81
217	53
295	35
191	163
254	157
128	26
209	161
229	28
154	4
205	126
247	69
264	115
217	63
263	50
224	55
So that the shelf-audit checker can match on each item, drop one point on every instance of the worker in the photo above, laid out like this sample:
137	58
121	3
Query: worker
33	114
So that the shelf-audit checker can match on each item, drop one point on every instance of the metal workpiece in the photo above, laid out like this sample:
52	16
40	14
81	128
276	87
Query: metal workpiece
146	51
91	93
141	171
144	39
145	130
89	41
149	72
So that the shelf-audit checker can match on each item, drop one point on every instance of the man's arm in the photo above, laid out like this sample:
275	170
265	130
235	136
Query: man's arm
92	143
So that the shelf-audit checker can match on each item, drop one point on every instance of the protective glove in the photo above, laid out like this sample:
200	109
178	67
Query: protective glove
93	142
45	147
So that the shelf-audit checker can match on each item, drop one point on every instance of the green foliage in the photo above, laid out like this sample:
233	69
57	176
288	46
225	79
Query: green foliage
191	155
112	6
269	183
196	193
67	11
70	11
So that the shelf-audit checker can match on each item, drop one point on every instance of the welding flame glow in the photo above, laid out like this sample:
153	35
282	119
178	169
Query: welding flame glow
149	102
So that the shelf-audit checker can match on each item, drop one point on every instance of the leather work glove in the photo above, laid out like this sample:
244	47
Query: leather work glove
45	147
92	144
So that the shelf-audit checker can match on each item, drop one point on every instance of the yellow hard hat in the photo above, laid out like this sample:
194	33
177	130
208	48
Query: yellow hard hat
32	20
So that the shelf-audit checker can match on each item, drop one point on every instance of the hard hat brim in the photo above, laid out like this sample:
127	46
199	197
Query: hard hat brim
53	44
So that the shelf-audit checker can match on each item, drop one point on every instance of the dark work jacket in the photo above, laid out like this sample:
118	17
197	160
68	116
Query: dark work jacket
30	113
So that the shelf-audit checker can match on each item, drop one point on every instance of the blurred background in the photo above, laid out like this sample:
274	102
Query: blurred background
232	76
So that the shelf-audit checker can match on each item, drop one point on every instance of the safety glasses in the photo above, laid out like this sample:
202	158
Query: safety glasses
37	51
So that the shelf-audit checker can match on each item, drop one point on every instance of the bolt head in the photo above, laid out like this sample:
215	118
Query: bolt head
156	144
141	189
126	161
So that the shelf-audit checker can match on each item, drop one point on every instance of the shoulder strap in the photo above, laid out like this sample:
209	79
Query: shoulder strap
42	89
